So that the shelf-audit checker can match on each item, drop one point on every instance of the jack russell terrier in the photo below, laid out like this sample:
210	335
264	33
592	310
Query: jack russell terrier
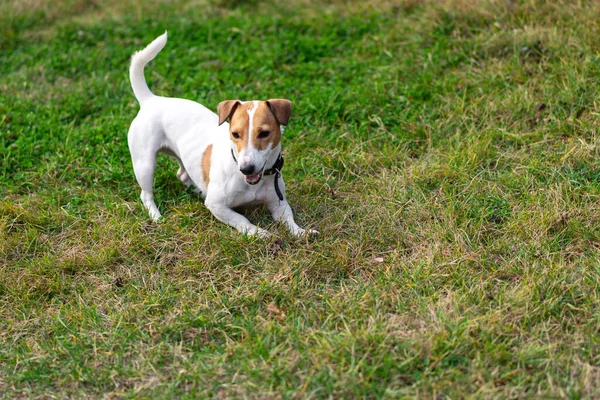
232	165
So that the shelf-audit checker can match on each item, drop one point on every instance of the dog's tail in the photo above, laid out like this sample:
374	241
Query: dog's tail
138	62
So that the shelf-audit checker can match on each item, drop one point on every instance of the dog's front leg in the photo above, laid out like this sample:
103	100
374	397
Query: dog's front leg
231	218
282	212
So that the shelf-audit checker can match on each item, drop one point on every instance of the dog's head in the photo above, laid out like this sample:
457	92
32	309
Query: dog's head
255	132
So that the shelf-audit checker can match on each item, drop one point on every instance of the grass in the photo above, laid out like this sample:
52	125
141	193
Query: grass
447	151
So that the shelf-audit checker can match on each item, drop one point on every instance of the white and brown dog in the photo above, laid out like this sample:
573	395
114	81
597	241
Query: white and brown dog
231	164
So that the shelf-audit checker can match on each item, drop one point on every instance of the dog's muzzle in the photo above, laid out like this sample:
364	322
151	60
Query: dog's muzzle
253	179
274	170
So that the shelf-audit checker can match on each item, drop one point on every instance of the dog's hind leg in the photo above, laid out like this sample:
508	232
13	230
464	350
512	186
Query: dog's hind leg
144	174
183	176
143	157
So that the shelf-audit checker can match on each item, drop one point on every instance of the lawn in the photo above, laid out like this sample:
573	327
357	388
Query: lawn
447	151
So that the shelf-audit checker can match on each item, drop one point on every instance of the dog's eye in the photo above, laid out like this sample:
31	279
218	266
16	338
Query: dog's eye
235	135
263	134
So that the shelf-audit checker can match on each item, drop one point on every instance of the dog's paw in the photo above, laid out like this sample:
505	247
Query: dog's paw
262	233
257	232
304	232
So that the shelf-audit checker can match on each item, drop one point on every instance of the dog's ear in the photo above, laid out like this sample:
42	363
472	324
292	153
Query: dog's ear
281	108
226	108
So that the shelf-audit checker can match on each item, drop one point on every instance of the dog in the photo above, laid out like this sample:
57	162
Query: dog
230	164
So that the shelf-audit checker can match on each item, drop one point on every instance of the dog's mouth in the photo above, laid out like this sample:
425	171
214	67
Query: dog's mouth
253	179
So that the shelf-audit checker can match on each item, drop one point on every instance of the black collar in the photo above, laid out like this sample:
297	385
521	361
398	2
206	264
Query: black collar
274	170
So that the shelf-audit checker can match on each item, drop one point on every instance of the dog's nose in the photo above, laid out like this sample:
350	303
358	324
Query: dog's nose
247	169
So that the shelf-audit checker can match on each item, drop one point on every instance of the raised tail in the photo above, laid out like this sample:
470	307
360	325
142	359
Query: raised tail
138	62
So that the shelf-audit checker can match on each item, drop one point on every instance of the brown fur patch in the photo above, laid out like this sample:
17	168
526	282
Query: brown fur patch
226	108
263	120
239	123
206	163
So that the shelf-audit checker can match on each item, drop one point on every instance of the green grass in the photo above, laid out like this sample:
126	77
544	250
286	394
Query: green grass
446	151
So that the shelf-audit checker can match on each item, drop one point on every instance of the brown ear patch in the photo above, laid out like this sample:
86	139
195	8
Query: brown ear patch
281	108
226	108
206	157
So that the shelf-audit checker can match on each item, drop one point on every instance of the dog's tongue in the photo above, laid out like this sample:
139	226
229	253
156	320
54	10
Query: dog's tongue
252	178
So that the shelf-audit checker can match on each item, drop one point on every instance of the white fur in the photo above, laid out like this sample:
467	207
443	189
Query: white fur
184	129
247	155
